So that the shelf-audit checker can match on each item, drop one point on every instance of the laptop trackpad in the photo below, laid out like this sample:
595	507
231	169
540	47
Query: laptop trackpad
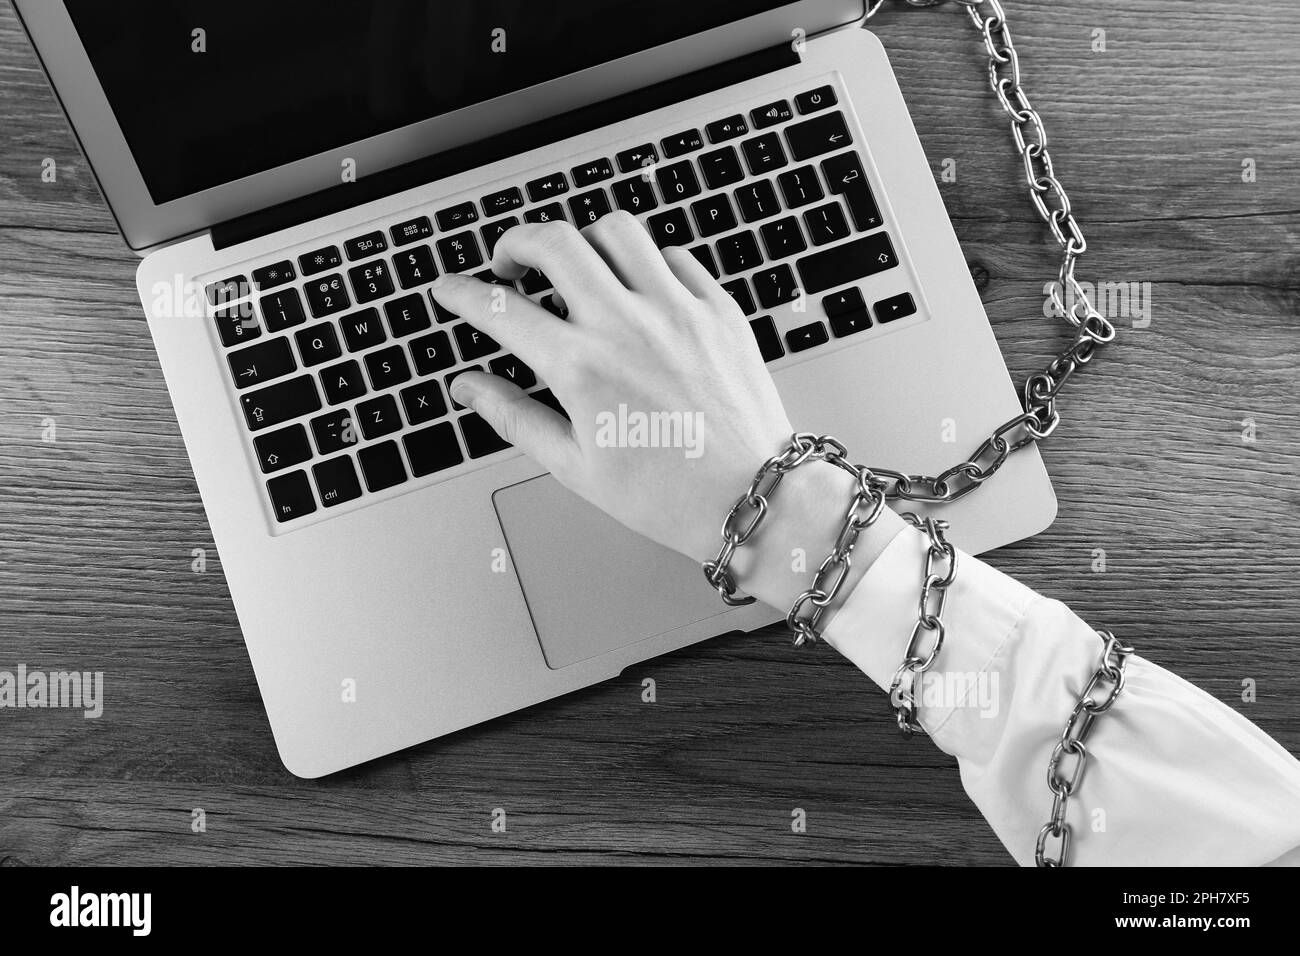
591	585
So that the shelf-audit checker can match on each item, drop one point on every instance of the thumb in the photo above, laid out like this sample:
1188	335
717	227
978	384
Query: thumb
539	432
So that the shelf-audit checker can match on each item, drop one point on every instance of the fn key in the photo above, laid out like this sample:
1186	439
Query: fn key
291	496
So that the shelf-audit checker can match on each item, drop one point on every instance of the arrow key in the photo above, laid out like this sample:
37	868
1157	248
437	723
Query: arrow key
262	362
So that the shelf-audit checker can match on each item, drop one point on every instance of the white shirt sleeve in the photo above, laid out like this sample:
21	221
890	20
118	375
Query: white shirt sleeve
1174	776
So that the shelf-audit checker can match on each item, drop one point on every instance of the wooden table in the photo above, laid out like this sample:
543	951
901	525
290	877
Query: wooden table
98	528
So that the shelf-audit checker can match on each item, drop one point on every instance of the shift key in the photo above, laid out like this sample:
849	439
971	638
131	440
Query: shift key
846	263
281	402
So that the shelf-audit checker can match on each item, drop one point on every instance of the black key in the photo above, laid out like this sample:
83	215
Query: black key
280	402
423	402
334	431
280	449
592	172
757	201
895	307
738	289
513	370
291	496
764	153
635	158
815	100
336	480
819	135
533	282
680	144
769	343
487	275
432	353
848	262
826	223
847	312
800	186
713	215
407	315
635	195
236	324
588	207
227	290
261	363
312	263
362	247
677	182
480	439
705	258
472	343
454	217
775	286
387	368
771	114
277	273
551	212
547	398
413	230
739	253
362	329
721	167
371	281
342	382
378	416
283	309
326	296
432	449
782	238
540	190
670	228
845	177
495	230
459	252
382	466
725	129
553	306
455	375
806	337
415	267
503	201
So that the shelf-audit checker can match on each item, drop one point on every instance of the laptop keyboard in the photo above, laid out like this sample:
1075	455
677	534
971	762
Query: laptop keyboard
341	361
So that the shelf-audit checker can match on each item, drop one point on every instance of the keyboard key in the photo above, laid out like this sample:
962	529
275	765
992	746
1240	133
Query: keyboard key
725	129
378	416
236	324
552	305
551	212
280	402
413	230
757	201
423	403
847	312
738	289
670	228
800	186
441	312
283	309
513	370
387	368
277	273
361	330
636	158
814	100
495	230
680	144
472	343
454	217
848	262
764	153
721	167
588	207
540	190
227	290
280	449
705	258
769	343
846	178
382	466
455	375
806	337
371	281
342	382
739	253
415	267
319	261
533	282
547	398
487	275
782	238
713	215
818	135
459	252
677	182
635	195
775	286
895	307
407	315
432	353
503	201
826	223
325	296
432	449
362	247
291	496
592	172
480	439
336	480
771	114
261	363
334	431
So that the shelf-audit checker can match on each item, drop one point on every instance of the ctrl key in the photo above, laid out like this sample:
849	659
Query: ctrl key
291	496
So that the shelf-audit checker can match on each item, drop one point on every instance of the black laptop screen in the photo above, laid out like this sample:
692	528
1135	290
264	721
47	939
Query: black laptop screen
268	83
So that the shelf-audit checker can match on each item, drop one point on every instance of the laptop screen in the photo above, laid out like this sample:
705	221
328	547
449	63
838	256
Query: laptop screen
207	93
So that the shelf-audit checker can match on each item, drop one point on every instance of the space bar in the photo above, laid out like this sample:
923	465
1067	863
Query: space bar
847	263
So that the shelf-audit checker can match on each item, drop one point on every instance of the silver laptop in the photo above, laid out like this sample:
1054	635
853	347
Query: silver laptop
295	174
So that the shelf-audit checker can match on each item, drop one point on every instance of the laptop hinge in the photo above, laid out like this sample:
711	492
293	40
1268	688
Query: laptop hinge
510	143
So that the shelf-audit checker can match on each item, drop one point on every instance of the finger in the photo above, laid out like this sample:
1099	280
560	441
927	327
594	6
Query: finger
541	433
568	260
633	256
692	275
512	319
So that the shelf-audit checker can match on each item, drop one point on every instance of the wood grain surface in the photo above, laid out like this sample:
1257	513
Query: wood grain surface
97	528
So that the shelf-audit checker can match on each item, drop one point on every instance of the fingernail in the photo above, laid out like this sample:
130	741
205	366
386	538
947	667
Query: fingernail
461	392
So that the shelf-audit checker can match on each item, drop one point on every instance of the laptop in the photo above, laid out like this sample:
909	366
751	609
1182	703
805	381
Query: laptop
295	174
